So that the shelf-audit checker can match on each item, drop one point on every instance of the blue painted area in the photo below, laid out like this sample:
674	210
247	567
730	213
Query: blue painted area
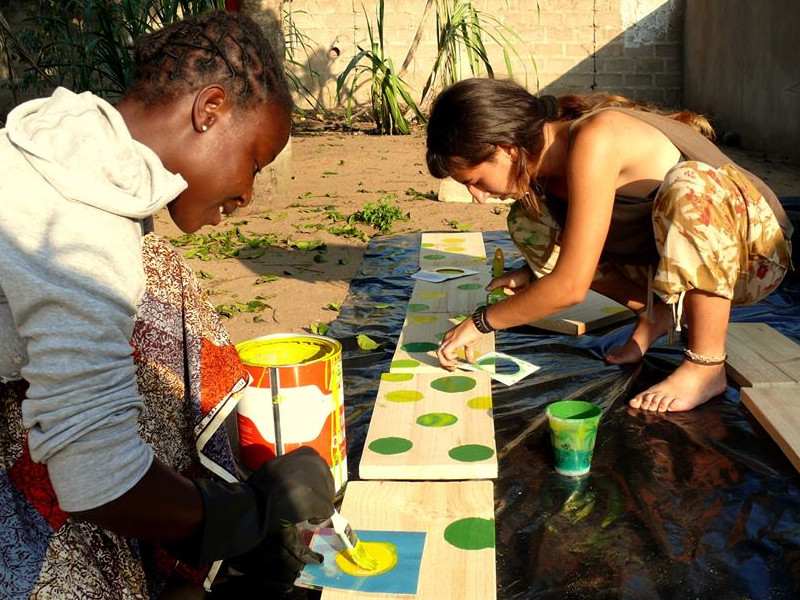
403	579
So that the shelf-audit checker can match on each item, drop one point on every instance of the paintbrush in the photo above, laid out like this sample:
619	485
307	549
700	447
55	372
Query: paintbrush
353	548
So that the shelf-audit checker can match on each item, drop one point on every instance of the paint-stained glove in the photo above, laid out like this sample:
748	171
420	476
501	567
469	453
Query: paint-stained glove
290	489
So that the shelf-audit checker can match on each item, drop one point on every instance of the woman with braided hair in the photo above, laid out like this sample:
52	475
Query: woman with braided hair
620	198
115	372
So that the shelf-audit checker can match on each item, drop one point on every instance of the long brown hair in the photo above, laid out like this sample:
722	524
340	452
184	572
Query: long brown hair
471	118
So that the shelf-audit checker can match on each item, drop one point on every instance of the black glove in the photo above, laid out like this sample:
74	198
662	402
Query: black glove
272	566
292	488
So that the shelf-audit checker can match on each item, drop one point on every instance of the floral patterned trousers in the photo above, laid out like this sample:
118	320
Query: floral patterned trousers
714	232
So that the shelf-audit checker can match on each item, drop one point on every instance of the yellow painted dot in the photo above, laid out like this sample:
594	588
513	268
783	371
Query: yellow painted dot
453	240
422	318
382	554
432	295
453	249
480	402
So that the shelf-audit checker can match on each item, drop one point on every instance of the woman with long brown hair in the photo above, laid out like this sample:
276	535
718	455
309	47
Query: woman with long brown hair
630	201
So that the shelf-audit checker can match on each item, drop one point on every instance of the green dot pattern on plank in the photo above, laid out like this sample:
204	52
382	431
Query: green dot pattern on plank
437	420
427	245
397	376
404	396
423	319
469	286
471	533
419	346
471	453
391	445
415	307
479	402
453	384
434	257
404	363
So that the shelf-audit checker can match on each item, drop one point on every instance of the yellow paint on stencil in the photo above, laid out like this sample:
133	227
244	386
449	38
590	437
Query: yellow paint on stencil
381	554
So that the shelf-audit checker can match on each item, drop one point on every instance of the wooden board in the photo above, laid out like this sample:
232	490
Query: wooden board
759	356
455	248
454	297
447	572
594	312
419	339
420	432
778	411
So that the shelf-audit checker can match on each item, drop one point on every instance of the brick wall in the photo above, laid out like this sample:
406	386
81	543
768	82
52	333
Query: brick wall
631	47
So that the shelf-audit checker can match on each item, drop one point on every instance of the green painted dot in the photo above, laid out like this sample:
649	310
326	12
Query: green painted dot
397	376
404	396
472	533
432	295
423	319
433	257
391	445
449	271
427	245
437	420
453	384
471	453
480	402
414	307
469	286
404	363
419	346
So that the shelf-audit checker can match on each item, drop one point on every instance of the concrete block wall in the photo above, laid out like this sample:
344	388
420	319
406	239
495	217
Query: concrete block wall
630	47
744	71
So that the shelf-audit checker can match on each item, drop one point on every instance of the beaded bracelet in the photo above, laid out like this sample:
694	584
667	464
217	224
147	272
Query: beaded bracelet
480	322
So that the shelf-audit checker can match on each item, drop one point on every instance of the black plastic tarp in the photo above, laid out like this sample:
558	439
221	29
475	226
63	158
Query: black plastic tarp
695	505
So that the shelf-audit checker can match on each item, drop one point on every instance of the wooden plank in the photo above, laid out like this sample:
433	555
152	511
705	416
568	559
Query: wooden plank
778	411
419	339
431	426
455	297
759	356
447	572
594	312
449	249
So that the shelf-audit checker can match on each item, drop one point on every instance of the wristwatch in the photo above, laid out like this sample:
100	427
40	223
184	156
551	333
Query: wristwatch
480	321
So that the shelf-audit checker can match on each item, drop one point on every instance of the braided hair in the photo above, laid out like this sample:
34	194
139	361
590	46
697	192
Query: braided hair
212	47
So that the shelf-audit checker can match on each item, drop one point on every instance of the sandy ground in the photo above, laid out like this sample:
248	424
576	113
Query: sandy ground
300	288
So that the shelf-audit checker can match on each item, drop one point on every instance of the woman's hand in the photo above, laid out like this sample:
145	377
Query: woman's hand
464	335
511	282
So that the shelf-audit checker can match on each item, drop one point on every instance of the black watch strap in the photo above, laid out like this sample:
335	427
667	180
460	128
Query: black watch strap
480	322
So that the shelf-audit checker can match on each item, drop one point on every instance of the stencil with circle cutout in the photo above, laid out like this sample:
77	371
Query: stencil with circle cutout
464	248
458	562
431	426
420	337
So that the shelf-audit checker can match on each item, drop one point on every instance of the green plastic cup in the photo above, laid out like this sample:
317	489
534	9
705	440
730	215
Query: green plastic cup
573	429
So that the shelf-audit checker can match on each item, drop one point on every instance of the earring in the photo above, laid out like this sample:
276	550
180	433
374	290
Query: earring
204	128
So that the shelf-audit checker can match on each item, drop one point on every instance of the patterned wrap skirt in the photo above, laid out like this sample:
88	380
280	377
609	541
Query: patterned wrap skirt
190	378
713	230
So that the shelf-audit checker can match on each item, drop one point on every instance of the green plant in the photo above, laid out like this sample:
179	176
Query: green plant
390	97
86	44
380	215
460	33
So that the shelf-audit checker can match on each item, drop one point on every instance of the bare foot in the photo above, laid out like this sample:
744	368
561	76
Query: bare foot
644	334
690	385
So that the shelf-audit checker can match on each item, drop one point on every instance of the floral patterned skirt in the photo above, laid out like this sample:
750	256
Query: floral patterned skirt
190	377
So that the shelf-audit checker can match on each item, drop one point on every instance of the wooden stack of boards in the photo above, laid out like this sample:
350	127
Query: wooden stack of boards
767	366
429	455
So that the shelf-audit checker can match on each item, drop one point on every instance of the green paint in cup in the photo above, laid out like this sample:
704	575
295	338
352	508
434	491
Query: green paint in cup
573	429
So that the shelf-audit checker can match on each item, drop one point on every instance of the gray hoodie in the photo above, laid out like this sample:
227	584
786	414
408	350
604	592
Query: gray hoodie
74	189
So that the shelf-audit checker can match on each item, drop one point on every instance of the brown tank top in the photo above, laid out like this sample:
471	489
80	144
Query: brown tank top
630	236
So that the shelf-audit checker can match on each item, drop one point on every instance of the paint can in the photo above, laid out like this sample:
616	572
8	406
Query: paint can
295	398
